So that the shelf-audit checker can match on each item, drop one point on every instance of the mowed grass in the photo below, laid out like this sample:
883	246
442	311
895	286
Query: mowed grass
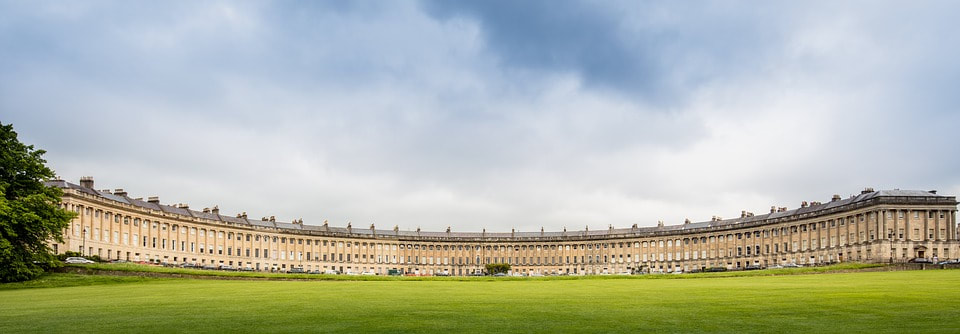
888	302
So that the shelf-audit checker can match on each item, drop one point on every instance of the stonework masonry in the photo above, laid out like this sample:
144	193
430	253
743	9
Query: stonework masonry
884	226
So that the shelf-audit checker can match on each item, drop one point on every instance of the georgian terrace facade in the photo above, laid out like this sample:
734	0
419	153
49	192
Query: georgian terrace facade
874	226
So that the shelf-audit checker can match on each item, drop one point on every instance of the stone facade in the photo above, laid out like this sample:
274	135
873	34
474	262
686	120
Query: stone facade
875	226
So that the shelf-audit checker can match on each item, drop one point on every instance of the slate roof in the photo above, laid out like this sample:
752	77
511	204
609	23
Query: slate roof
546	234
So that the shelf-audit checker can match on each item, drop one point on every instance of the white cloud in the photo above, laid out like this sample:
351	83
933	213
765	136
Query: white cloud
395	117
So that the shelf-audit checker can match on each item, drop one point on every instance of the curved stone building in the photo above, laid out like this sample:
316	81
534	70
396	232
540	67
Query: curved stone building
874	226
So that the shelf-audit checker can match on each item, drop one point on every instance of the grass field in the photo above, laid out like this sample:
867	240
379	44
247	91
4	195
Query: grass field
889	302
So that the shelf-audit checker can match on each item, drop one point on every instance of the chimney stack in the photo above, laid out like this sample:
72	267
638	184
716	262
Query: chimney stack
215	210
273	219
153	199
835	198
86	182
120	192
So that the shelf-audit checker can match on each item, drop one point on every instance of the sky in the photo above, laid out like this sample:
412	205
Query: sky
493	115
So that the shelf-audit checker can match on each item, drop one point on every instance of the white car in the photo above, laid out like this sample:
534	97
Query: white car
74	259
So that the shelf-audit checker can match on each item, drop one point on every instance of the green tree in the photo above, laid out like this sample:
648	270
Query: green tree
497	268
30	214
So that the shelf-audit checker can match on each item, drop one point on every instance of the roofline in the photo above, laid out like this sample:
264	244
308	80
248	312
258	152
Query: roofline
865	199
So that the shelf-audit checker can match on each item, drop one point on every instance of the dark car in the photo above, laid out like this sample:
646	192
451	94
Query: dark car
920	260
954	261
752	268
296	271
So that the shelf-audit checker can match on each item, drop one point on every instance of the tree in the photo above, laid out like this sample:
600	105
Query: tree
30	214
497	268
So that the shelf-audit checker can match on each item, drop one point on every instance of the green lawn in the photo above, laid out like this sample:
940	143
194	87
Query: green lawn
891	302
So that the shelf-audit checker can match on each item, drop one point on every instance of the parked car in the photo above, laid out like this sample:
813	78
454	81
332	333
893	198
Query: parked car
368	273
331	272
296	270
209	267
227	267
920	260
791	265
188	265
499	275
752	267
77	259
247	269
954	261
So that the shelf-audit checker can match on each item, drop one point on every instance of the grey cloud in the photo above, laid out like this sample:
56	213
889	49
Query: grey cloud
652	51
495	115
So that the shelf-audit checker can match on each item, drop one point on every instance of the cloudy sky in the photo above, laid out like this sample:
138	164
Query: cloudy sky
493	114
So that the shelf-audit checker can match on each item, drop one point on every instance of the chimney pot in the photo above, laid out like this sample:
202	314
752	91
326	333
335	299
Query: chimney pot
153	199
86	182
